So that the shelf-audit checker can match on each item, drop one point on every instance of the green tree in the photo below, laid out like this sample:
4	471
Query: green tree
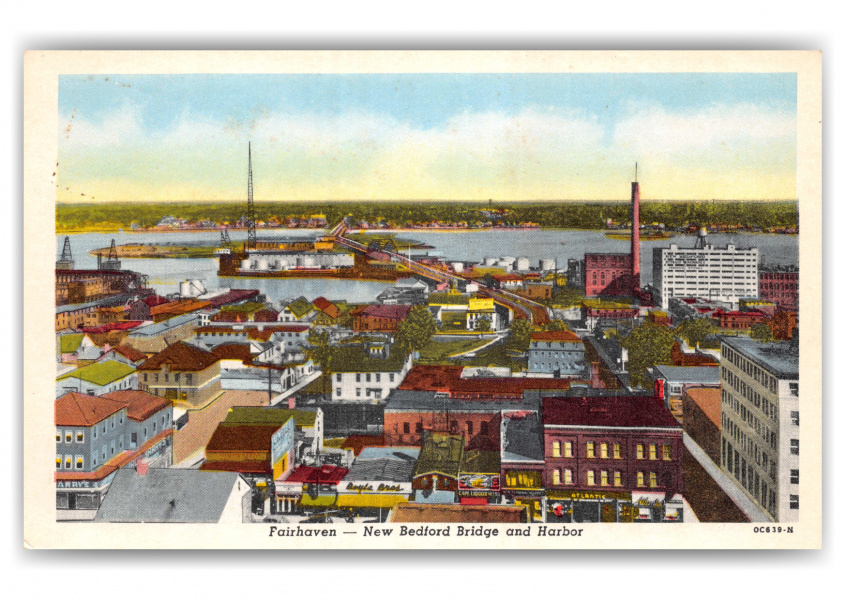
557	325
321	352
696	330
521	334
567	296
483	325
761	332
416	330
648	345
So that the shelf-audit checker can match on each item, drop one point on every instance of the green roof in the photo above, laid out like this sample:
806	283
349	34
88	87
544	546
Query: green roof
441	453
71	341
353	359
606	304
480	461
260	415
100	373
247	307
300	307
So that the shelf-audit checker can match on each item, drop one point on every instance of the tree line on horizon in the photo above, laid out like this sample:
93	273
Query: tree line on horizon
562	215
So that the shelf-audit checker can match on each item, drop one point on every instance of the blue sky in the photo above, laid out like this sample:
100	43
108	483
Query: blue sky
519	136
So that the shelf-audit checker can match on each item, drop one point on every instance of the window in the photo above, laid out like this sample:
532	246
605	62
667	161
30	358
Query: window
618	451
358	392
358	377
652	452
568	449
58	435
406	428
666	455
188	378
79	463
469	427
556	477
418	428
794	500
794	417
68	436
590	450
618	479
568	476
556	449
453	426
603	451
391	377
794	475
68	462
603	478
80	436
338	377
640	479
368	378
591	478
794	447
653	480
378	377
337	391
640	451
58	462
794	391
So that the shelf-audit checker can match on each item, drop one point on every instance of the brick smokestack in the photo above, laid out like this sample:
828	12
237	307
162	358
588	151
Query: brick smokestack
635	236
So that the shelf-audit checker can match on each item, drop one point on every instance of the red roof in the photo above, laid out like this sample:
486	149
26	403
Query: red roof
231	297
155	300
140	406
130	353
122	326
608	411
180	357
233	352
358	442
556	336
387	311
80	410
323	305
254	438
328	474
447	378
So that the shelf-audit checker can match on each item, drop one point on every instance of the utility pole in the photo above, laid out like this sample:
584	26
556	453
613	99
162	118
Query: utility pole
251	209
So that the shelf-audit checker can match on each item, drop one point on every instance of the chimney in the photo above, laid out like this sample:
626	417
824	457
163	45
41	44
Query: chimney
141	466
635	235
292	402
595	382
659	389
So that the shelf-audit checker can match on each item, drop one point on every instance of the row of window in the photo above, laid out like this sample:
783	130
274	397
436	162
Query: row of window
367	379
453	427
751	369
604	480
616	450
189	378
69	436
66	462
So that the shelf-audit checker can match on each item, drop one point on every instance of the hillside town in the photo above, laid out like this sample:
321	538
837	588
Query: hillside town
497	391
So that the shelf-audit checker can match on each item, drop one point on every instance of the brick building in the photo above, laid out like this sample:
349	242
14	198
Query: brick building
381	317
702	413
780	285
608	274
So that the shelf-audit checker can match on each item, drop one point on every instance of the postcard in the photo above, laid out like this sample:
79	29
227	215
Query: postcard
369	300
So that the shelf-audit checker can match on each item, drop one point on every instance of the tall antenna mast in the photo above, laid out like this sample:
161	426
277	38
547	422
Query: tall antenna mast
251	209
635	172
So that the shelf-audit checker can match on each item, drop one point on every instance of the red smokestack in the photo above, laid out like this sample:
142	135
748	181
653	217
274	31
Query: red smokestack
635	236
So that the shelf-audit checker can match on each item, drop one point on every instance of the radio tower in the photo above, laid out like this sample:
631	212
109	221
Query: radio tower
251	209
66	261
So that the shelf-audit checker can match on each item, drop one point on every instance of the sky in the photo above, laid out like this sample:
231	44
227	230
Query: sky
427	136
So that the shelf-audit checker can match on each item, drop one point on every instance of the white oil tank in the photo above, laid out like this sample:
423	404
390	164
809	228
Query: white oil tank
262	264
245	264
546	264
490	261
457	266
523	263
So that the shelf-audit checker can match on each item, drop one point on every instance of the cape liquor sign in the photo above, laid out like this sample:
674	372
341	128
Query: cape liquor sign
478	482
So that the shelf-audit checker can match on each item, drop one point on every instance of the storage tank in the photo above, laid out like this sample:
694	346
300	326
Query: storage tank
245	264
457	266
523	263
546	264
490	261
262	264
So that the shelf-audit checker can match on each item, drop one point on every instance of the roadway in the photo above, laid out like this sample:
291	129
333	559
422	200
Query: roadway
520	306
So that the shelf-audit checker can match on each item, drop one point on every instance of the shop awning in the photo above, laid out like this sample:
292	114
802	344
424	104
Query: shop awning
370	500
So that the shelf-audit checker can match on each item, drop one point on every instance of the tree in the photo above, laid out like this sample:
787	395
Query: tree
648	345
696	330
321	352
557	325
761	332
567	296
521	334
483	325
416	330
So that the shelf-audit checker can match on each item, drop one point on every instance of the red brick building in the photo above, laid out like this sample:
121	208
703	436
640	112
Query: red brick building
622	444
736	319
381	317
780	285
608	274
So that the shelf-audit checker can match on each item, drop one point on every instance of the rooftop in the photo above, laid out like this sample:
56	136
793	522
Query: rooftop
689	374
412	512
556	336
480	461
522	438
413	400
709	400
329	474
170	496
441	453
397	466
779	358
266	415
101	373
353	359
80	410
447	378
247	438
159	328
387	311
130	353
70	342
300	307
608	411
246	307
180	357
140	406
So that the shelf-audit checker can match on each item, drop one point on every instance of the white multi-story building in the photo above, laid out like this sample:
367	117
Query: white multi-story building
360	377
725	274
760	422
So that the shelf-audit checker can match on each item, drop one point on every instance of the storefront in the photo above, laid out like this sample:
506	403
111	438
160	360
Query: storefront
524	487
79	499
363	495
574	506
479	488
